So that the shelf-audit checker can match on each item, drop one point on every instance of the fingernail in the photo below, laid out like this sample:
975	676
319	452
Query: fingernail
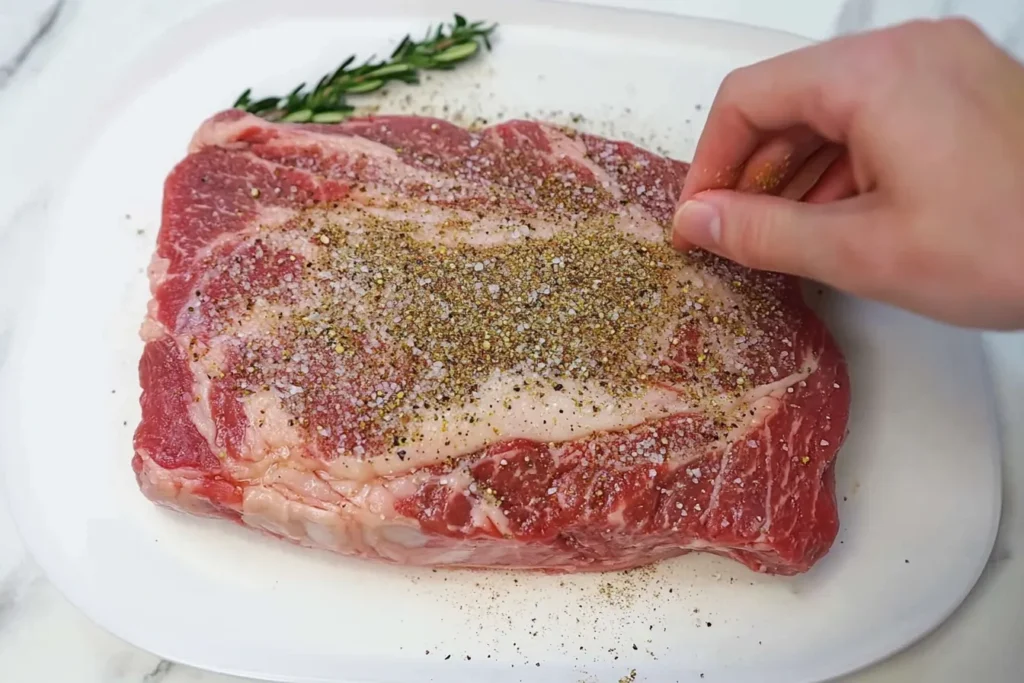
697	223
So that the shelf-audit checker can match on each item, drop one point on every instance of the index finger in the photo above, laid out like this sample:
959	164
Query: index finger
810	86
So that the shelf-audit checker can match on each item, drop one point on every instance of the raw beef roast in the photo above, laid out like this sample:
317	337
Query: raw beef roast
404	340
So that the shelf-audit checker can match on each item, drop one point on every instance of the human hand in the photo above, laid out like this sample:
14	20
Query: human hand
906	146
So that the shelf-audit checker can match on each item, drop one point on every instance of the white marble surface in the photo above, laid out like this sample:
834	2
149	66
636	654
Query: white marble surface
43	638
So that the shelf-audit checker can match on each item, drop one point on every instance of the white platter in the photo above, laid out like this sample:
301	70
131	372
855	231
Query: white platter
919	478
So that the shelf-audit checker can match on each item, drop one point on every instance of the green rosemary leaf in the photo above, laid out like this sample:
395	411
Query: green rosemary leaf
457	52
293	101
389	69
266	104
401	47
364	86
330	116
344	65
300	116
443	47
322	82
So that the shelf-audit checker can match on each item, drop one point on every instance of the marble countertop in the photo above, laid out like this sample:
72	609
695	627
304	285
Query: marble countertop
53	53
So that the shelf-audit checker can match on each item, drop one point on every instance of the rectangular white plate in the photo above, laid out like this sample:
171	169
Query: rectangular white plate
918	479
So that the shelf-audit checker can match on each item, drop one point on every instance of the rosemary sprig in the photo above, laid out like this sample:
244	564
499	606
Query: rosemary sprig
442	48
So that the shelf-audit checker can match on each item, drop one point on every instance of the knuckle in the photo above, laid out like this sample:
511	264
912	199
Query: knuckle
923	41
828	100
878	65
732	84
918	27
905	47
863	73
960	27
888	52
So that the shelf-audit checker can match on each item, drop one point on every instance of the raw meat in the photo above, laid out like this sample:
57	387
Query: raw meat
404	340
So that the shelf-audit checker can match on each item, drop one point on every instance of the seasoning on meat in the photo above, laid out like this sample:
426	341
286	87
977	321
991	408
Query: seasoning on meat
401	339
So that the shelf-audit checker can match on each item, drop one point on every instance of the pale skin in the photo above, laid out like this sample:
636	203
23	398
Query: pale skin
888	164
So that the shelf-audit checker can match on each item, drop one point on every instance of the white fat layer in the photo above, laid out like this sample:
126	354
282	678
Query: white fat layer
270	430
565	147
539	413
434	224
219	133
199	405
152	329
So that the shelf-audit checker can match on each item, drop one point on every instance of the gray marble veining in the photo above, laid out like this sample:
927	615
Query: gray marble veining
159	672
14	587
854	16
46	23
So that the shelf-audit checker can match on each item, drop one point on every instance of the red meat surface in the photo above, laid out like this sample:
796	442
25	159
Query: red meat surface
714	427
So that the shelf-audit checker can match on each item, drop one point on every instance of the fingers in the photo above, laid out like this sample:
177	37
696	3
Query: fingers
819	88
837	182
827	243
773	165
809	175
777	127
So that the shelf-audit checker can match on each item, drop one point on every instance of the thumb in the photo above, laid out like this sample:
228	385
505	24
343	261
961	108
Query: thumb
825	242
